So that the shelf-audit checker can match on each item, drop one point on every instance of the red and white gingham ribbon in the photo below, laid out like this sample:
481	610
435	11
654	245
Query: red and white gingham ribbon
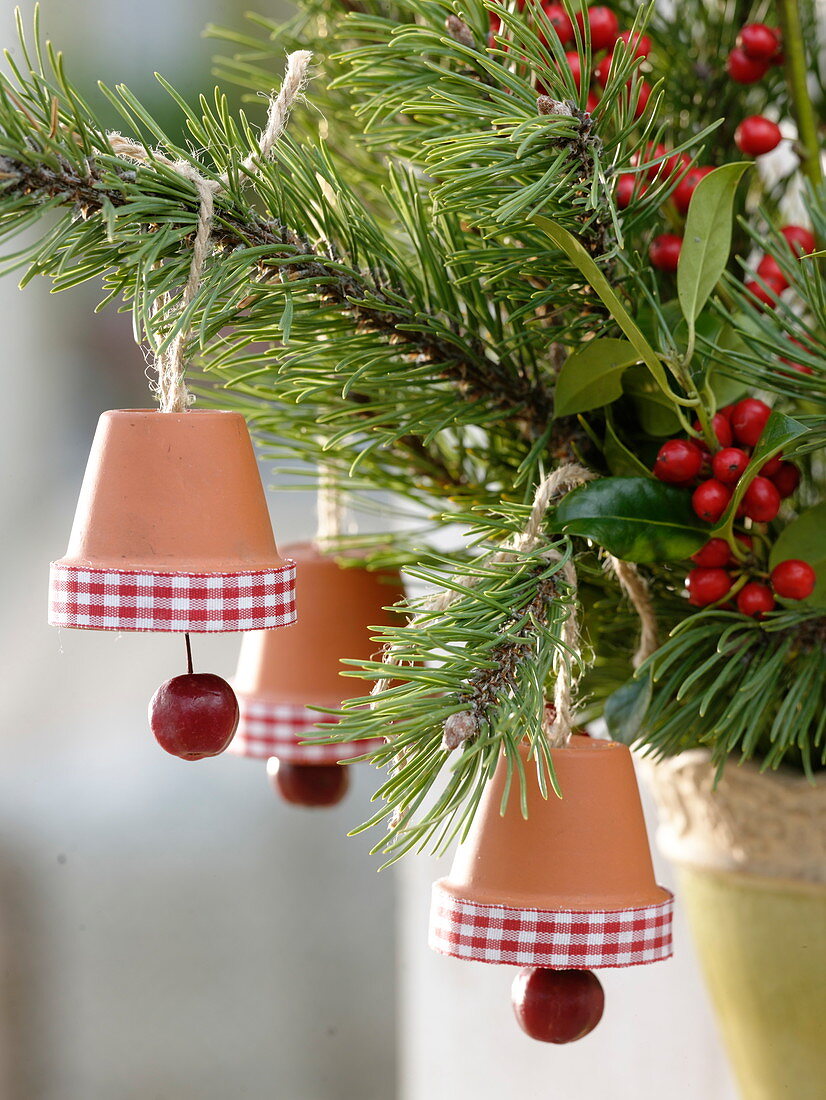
268	729
563	939
132	599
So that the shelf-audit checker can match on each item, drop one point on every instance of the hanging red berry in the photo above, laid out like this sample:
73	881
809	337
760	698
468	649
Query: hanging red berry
640	43
687	186
310	785
714	555
678	461
710	500
604	27
629	186
561	22
759	42
761	501
786	479
557	1006
194	716
755	599
706	586
793	579
664	251
748	419
757	135
728	465
800	239
743	69
770	271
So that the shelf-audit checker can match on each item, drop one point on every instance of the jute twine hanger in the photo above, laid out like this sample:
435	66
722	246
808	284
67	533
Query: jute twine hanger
170	364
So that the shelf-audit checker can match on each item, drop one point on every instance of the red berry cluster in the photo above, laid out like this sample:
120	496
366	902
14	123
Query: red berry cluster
758	47
605	33
688	462
756	50
801	242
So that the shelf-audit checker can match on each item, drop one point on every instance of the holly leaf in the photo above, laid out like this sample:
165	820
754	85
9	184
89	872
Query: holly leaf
625	709
636	518
804	539
707	237
619	459
592	377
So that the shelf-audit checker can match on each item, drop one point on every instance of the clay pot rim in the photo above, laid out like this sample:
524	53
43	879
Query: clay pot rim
168	415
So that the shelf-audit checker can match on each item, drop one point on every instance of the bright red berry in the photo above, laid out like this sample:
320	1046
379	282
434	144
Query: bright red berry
678	461
591	103
575	65
800	240
728	465
714	555
759	42
720	427
311	785
743	70
604	27
757	135
194	715
748	419
664	251
707	586
761	501
629	186
802	368
770	468
793	579
755	599
786	479
710	500
770	271
641	42
557	1006
746	540
687	186
561	23
603	70
643	95
766	295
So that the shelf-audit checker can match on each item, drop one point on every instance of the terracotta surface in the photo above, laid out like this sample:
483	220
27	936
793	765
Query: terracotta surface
177	492
336	606
586	850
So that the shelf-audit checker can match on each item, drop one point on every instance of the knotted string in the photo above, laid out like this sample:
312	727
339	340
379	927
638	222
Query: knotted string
170	364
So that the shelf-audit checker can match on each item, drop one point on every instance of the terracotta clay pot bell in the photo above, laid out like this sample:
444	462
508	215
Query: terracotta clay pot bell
172	531
570	887
281	675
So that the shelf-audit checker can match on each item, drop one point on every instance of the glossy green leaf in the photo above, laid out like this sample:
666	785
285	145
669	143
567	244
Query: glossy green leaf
707	237
625	709
656	413
805	538
592	377
636	518
620	460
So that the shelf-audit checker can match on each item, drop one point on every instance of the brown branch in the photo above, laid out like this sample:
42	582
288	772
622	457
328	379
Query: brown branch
475	375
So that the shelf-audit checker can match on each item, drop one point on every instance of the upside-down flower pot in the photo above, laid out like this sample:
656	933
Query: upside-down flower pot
283	675
751	858
570	887
172	531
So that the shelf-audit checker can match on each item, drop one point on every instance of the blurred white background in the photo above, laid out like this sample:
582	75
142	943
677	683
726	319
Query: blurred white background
170	931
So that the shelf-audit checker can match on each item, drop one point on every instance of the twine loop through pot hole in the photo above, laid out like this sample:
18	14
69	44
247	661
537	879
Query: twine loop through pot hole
170	364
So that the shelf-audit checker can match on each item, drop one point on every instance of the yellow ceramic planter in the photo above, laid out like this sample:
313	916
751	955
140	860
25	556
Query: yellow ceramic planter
752	874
